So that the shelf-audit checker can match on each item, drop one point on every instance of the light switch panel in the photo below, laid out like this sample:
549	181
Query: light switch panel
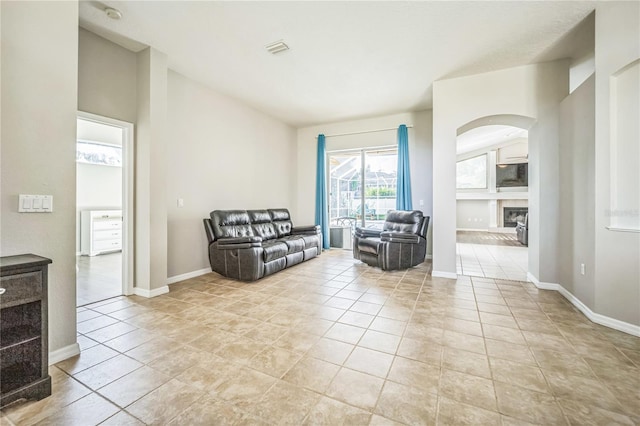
35	203
26	203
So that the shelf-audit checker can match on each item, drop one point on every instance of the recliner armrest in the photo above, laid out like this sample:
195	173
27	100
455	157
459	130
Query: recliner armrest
239	242
399	237
306	230
366	232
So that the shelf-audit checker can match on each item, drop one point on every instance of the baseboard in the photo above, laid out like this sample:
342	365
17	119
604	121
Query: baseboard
625	327
442	274
186	276
429	257
542	285
64	353
150	293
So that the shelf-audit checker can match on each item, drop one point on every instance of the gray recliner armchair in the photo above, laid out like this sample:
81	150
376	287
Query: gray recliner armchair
401	244
522	231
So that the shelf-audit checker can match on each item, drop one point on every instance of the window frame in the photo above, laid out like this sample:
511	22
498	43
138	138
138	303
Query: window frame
486	173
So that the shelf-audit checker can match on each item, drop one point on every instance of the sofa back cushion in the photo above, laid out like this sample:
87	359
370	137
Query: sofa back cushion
262	225
231	224
403	221
281	221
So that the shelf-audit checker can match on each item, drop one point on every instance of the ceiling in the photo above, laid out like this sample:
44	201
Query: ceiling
348	59
487	136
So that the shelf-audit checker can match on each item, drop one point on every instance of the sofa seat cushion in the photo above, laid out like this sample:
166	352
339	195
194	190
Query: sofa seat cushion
310	241
294	243
369	245
273	249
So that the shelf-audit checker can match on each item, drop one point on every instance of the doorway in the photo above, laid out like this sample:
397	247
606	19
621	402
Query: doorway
104	197
362	186
492	193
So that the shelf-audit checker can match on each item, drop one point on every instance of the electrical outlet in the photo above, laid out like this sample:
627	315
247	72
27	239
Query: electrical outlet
582	269
180	202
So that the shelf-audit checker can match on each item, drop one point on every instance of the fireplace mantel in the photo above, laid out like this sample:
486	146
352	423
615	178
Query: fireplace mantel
492	195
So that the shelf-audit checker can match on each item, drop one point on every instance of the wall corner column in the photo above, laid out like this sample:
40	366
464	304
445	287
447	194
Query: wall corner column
151	167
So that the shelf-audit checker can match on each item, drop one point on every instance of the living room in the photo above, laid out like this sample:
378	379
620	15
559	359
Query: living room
194	141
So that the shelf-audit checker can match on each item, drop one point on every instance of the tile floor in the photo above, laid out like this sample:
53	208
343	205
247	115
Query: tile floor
492	261
333	341
99	277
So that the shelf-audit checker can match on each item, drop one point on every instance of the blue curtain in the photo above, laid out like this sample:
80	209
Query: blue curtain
322	207
403	193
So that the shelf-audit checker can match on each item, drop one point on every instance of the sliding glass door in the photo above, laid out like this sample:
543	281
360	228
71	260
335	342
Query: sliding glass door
362	186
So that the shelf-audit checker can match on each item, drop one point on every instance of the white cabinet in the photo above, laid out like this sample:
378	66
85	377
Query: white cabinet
101	231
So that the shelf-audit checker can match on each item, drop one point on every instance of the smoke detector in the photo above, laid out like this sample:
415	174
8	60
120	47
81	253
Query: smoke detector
277	47
113	13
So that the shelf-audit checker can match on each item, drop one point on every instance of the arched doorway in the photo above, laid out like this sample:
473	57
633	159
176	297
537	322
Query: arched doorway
492	201
493	195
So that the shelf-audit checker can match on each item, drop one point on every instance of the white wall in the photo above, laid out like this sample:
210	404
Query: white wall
222	155
39	103
472	214
617	270
420	154
577	182
528	91
97	188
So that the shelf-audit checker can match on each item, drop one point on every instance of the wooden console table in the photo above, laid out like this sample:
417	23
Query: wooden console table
24	356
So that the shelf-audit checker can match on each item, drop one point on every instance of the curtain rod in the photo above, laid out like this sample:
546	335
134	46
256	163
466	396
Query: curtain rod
409	126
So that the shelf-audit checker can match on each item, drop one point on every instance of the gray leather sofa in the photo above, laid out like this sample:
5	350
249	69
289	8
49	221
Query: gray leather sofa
250	244
401	244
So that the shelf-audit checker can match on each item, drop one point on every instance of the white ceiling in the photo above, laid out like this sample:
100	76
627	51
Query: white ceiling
486	136
348	59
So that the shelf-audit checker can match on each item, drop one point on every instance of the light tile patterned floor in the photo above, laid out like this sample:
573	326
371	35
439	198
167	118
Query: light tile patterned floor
492	261
333	341
99	277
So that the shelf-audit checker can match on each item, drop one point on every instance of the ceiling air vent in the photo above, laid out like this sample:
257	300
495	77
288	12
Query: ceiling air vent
276	47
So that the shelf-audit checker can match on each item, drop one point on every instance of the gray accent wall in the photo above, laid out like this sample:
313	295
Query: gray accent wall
218	152
107	80
222	154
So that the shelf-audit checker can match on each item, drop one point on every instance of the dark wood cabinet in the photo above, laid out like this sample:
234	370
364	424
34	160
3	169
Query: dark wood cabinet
24	356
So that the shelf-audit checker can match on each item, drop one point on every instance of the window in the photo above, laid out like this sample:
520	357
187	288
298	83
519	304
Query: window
375	170
472	173
98	153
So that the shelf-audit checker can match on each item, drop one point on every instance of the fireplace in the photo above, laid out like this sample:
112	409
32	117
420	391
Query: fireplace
513	215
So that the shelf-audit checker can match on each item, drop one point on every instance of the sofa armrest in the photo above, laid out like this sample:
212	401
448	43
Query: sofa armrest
209	230
366	232
308	230
238	243
399	237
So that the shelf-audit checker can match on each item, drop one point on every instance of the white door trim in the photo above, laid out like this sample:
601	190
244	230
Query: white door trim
128	162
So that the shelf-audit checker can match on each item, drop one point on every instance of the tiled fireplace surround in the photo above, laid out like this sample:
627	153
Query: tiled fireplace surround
333	341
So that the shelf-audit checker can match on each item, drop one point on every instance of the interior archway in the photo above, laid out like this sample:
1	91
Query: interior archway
492	197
